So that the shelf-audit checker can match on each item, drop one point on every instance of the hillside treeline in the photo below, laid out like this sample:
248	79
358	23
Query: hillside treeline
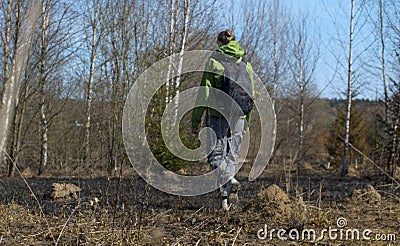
66	73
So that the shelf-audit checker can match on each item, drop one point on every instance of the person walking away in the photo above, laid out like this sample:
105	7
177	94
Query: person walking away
228	139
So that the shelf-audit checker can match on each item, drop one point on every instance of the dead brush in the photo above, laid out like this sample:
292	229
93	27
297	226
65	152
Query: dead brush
42	214
298	217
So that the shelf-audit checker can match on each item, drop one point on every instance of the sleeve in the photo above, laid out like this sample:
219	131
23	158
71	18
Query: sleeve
249	69
202	98
207	81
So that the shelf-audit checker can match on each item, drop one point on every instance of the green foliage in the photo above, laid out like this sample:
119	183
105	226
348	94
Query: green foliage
358	138
155	137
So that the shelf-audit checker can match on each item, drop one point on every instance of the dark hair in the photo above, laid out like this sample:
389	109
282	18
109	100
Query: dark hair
226	36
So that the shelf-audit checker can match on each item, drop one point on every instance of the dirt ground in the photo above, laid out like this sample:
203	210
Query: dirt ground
317	208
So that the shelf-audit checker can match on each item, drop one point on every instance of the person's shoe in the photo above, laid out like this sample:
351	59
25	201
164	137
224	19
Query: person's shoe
225	204
234	181
235	186
234	197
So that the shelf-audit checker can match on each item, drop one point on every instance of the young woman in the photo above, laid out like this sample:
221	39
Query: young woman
228	138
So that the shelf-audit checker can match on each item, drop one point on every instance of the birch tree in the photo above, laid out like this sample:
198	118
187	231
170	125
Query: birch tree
177	82
266	28
93	37
56	38
349	94
383	60
305	53
349	49
12	72
173	12
44	127
18	7
119	26
19	126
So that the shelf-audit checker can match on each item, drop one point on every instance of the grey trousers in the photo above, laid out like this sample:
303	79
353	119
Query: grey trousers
224	154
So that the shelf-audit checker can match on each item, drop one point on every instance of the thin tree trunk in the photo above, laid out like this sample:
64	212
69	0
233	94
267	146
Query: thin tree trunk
11	80
44	126
276	73
114	122
86	156
349	94
15	147
276	28
90	87
6	77
171	50
391	157
383	61
43	138
301	127
186	10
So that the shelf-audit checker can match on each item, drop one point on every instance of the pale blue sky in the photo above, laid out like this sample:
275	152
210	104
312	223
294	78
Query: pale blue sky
331	18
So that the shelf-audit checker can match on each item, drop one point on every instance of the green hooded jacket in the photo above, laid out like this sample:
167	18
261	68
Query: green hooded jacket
214	80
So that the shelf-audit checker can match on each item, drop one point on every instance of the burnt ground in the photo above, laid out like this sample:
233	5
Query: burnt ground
126	211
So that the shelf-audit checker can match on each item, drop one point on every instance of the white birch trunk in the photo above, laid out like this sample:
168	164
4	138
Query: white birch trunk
93	47
11	85
17	118
44	127
177	83
349	94
6	89
171	50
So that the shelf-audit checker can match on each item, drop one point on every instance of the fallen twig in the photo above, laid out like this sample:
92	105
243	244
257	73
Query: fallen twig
237	234
376	165
66	222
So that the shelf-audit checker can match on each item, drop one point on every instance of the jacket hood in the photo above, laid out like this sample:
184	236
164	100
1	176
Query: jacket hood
232	48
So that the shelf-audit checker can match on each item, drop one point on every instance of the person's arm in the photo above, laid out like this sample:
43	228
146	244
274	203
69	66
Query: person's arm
249	69
198	111
202	99
208	81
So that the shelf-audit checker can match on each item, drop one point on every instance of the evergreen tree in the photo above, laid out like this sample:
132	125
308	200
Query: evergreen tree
358	138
